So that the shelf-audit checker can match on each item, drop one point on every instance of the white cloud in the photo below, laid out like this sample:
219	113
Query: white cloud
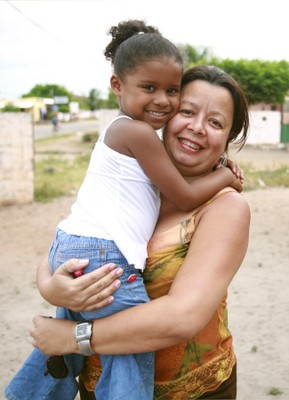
62	42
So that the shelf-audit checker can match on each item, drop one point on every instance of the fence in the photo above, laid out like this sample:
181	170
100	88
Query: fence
16	158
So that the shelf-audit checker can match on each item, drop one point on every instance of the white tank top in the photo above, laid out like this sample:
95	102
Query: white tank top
116	201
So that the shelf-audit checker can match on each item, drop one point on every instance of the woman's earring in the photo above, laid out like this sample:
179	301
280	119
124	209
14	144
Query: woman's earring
223	160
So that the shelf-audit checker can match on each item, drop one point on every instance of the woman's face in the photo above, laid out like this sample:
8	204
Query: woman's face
196	137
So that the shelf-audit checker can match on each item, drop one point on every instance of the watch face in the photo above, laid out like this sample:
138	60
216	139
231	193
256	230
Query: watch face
82	331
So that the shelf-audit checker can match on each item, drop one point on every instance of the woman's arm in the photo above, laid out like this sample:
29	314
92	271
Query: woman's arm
85	293
216	251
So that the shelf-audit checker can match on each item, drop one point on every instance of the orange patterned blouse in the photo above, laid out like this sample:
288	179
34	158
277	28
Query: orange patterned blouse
193	367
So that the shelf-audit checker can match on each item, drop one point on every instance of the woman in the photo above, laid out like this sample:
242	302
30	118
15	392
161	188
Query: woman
192	260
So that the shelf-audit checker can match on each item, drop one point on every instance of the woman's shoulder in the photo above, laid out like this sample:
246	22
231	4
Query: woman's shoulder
230	196
226	202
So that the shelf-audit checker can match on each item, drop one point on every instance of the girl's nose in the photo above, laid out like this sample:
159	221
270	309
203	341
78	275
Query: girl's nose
161	98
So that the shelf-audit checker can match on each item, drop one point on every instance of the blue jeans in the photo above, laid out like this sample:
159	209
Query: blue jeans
124	377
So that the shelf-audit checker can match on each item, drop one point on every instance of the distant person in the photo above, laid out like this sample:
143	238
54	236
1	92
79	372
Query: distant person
117	206
43	113
55	118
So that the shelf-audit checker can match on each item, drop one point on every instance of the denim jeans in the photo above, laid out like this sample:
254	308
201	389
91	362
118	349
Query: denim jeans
124	377
32	383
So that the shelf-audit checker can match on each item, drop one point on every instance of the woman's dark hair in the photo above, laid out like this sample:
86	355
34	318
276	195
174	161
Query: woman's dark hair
218	77
133	43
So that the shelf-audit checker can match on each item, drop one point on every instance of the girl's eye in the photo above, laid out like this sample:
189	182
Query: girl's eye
150	88
173	91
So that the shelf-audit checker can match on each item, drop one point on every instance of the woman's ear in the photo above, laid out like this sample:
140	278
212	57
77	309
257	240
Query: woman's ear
115	85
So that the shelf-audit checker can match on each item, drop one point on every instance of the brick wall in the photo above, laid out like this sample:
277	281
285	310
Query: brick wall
16	158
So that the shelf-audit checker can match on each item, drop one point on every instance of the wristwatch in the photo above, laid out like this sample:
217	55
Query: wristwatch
83	333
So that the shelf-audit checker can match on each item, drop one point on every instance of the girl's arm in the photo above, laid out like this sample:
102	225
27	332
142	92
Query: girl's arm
216	251
88	292
137	139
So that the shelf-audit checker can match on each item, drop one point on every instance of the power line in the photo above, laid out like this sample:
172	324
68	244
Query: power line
32	21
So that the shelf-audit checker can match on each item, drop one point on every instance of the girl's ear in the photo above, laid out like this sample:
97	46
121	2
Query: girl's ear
115	85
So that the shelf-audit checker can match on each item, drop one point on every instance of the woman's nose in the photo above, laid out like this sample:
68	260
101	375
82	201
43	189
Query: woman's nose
196	125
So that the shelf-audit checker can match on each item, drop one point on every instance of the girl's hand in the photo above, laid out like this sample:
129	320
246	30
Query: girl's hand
237	171
87	292
237	184
54	336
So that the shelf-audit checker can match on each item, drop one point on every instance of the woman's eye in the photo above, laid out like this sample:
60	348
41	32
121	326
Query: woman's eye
186	112
216	123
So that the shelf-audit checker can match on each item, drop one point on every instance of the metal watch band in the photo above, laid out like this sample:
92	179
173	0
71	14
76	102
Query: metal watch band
85	347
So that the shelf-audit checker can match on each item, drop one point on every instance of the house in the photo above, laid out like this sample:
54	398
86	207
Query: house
37	106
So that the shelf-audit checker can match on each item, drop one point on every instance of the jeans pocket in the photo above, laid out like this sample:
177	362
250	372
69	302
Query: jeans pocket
135	289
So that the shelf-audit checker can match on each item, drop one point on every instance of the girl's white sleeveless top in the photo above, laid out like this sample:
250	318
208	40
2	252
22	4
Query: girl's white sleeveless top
116	201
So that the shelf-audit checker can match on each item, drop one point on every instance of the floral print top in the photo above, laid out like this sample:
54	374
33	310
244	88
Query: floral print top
196	366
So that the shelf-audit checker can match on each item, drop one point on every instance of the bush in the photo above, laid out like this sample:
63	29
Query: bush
10	108
90	137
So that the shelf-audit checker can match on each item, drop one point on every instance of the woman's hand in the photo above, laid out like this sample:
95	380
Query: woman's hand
88	292
54	336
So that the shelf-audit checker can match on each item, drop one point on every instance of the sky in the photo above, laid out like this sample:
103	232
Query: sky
62	41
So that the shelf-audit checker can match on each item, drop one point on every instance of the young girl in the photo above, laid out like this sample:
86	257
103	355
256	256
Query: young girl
118	203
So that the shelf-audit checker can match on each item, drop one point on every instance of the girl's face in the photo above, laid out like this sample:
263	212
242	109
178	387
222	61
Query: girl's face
196	137
150	93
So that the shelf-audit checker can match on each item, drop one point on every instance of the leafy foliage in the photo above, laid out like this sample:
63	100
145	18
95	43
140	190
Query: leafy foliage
92	100
263	81
195	55
48	91
10	108
111	102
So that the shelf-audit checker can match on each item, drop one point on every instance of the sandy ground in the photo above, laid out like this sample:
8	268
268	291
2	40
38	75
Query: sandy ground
258	296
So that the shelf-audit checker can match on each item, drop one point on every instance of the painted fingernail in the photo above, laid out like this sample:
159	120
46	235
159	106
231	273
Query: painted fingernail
131	278
77	273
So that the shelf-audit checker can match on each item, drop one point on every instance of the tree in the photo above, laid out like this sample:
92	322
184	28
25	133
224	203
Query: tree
10	108
263	81
93	99
48	91
110	102
194	55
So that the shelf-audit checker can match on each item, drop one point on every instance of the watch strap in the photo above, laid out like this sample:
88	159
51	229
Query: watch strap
85	347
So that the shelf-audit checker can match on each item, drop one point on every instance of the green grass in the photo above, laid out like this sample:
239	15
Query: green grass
52	138
274	391
255	179
57	175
